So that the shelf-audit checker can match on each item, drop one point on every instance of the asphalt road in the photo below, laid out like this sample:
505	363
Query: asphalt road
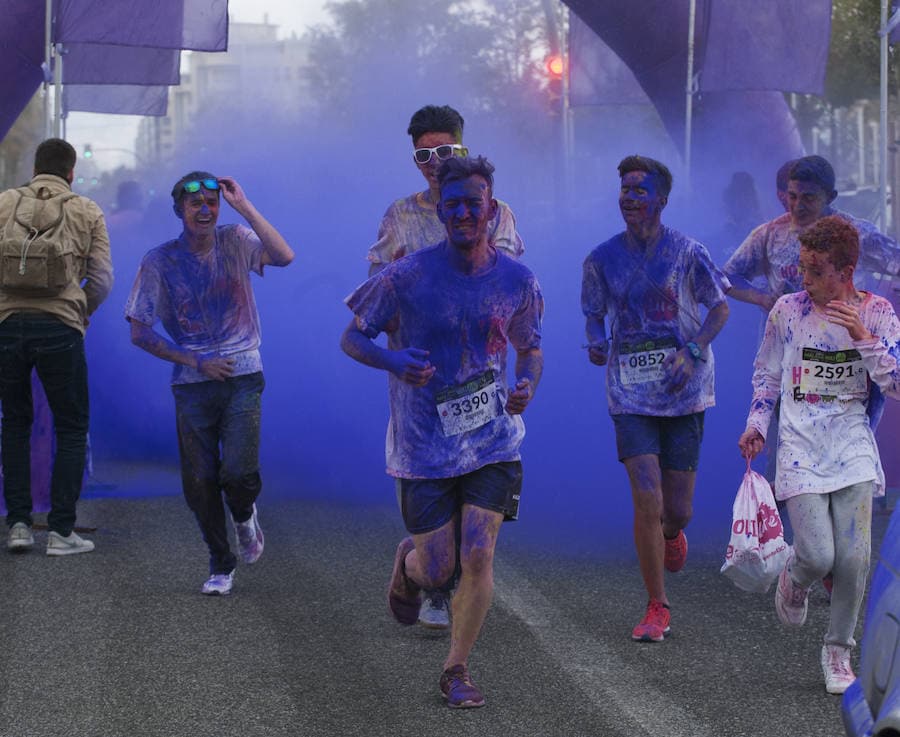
120	642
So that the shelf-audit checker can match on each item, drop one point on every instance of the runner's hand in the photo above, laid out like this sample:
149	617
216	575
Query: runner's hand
751	443
840	313
680	367
519	397
411	366
217	368
597	354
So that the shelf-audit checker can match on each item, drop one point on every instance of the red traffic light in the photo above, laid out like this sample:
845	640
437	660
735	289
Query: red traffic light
555	65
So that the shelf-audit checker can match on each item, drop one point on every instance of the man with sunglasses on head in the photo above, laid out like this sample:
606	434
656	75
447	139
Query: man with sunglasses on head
412	223
450	313
198	286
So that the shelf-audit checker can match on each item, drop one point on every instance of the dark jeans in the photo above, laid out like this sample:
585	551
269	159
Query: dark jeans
56	351
218	439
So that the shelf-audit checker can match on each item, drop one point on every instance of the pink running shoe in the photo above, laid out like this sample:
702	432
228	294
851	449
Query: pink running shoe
790	599
676	553
655	625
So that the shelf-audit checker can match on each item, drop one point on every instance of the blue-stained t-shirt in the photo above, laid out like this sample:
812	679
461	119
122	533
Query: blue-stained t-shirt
466	323
651	305
409	225
204	301
771	254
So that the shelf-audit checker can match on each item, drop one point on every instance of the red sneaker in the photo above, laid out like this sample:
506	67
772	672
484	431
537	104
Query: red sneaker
676	553
655	625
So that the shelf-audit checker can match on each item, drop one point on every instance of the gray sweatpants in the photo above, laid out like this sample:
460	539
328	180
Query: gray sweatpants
833	532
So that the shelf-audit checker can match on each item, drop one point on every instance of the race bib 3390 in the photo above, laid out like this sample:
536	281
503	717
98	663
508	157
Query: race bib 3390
470	405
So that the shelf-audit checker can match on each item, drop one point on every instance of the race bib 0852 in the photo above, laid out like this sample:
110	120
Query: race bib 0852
640	363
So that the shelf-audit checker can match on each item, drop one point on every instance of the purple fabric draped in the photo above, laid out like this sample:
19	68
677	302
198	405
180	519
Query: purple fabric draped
104	65
597	76
21	56
767	45
116	99
650	36
199	25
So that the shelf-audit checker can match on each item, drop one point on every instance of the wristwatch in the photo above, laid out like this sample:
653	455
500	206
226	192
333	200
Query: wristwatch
694	350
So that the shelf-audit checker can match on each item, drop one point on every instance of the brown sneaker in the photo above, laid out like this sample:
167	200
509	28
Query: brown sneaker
404	600
458	689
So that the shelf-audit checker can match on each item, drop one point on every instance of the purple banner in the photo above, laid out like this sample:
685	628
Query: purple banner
596	75
650	37
21	56
199	25
103	65
767	45
116	99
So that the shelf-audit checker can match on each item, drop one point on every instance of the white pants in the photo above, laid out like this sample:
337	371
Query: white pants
833	533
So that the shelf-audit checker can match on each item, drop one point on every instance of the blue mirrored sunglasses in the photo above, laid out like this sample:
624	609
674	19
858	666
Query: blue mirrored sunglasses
195	184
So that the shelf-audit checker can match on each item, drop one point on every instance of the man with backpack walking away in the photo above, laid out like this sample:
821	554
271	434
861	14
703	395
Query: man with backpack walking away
55	270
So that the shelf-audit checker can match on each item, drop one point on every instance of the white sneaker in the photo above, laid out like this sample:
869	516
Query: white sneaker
218	584
836	668
250	538
435	611
20	538
59	545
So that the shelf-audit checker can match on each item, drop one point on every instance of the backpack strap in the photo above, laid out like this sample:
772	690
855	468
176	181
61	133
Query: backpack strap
35	225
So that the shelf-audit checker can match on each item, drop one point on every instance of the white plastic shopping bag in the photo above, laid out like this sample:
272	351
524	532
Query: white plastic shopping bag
757	551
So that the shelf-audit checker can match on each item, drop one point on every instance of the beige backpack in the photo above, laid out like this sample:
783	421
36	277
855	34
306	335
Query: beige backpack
37	259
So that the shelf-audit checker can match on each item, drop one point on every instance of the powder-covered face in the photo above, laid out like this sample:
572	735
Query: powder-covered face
821	280
807	202
200	211
640	202
466	209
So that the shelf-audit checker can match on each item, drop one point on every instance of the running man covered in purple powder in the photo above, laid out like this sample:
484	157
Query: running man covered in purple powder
649	282
198	287
449	312
412	223
823	349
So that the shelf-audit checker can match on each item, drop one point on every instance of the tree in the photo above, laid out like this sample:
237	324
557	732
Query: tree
854	58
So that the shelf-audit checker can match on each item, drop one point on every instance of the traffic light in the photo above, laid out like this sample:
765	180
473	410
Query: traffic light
555	64
88	153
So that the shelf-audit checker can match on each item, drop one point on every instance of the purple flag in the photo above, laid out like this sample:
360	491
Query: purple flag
21	56
894	36
116	99
596	75
766	45
103	65
199	25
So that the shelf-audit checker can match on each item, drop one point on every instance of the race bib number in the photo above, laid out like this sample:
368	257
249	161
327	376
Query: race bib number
832	373
640	363
469	406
